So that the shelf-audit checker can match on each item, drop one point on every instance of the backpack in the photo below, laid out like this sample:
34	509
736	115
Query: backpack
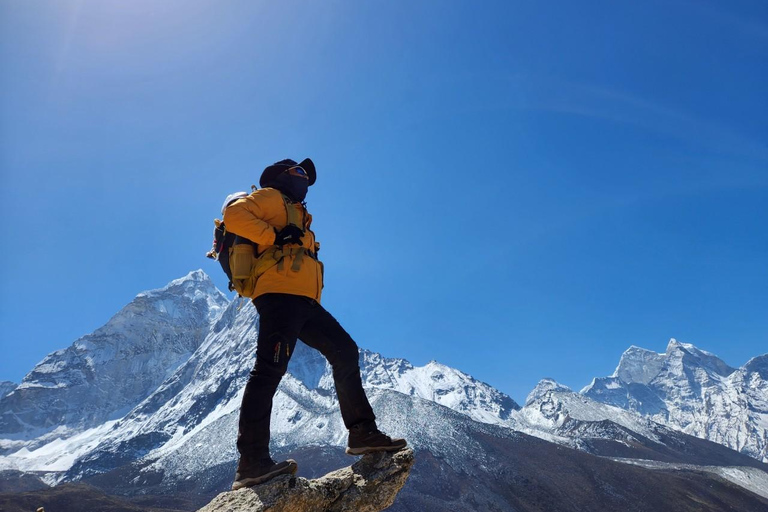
223	241
240	258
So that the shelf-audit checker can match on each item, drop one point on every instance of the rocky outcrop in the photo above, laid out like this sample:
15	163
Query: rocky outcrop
369	485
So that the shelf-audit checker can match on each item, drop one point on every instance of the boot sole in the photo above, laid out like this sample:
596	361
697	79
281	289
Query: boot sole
373	449
250	482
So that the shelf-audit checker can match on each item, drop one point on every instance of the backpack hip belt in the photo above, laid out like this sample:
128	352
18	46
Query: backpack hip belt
276	256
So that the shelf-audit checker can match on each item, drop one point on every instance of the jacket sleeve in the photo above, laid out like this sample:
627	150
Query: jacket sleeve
244	218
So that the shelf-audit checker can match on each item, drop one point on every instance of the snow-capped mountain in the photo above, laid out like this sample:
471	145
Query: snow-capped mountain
203	383
556	413
433	381
105	374
695	392
153	398
553	407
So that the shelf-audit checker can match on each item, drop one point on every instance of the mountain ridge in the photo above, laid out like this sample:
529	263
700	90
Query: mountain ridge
181	431
695	392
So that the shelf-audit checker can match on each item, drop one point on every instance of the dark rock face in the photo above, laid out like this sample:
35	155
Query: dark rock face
369	485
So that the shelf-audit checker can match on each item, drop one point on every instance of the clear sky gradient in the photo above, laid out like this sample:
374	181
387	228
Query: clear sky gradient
517	189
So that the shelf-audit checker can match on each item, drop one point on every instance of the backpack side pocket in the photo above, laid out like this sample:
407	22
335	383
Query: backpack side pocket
241	260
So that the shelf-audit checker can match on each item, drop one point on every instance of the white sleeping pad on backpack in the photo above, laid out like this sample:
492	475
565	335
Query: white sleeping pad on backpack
231	198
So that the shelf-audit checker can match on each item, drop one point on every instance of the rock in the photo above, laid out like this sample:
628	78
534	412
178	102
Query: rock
369	485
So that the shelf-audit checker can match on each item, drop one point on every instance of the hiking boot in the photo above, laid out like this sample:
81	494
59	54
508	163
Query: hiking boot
258	471
366	438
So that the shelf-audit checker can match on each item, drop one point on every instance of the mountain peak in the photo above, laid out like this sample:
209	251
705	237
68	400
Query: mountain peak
195	275
545	386
692	356
674	345
196	287
142	344
758	364
194	279
639	365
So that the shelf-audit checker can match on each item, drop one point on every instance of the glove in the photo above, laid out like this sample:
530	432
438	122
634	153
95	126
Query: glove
290	234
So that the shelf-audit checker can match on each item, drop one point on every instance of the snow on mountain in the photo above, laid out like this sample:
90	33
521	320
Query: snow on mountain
758	365
207	385
544	390
559	415
55	456
433	381
551	406
205	388
207	391
103	375
160	386
193	295
695	392
301	422
639	365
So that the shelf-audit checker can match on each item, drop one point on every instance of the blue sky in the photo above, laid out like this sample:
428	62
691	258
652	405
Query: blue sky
517	189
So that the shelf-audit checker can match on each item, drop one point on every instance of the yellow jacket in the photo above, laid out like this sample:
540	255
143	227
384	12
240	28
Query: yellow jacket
256	217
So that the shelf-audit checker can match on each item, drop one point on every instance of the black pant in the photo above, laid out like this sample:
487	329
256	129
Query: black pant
282	319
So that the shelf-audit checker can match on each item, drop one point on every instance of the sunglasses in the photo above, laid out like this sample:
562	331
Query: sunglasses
298	170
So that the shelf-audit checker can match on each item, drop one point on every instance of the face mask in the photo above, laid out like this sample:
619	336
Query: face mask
294	187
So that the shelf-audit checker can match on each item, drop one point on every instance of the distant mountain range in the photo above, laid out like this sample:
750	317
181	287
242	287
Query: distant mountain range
147	406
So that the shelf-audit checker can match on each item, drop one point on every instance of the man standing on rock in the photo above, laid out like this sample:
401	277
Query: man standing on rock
287	297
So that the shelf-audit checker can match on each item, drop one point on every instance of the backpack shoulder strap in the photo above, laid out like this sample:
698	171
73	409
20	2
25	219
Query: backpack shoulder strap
294	217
